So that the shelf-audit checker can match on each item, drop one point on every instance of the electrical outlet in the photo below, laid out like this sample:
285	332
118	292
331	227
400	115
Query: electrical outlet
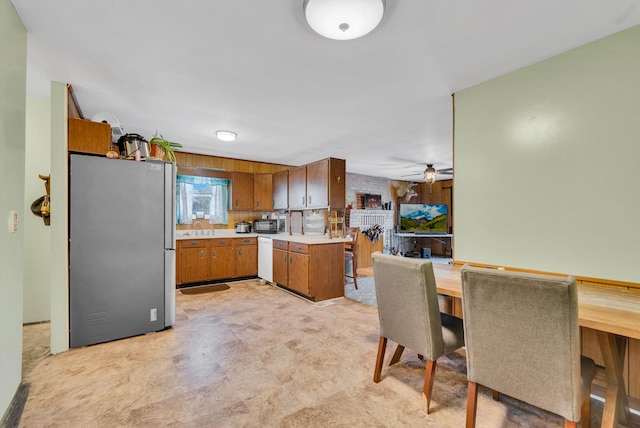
154	314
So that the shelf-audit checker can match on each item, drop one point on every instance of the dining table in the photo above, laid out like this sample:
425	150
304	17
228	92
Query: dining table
614	314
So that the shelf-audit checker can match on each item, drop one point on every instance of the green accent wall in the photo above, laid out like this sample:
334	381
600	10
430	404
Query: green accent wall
546	164
13	72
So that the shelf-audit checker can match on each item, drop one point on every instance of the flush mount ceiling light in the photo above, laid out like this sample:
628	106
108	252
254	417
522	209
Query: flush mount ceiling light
343	19
226	135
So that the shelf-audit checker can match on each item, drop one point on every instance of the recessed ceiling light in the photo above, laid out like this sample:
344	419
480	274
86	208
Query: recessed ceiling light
226	135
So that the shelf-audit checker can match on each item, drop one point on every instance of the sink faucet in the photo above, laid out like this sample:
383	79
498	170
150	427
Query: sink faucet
196	223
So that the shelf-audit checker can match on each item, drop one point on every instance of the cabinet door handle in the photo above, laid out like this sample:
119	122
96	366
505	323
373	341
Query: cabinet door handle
215	254
240	251
302	200
290	259
257	203
309	199
202	255
285	258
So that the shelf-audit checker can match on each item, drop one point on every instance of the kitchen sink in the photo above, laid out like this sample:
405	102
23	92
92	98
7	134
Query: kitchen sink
194	232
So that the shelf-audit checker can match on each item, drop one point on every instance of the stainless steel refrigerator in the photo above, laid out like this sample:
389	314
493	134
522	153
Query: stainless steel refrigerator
121	248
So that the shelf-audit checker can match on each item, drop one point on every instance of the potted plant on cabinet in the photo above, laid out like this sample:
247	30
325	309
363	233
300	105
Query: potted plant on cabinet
163	149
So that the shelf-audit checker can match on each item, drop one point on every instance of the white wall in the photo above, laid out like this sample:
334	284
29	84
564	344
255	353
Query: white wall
546	162
37	236
13	65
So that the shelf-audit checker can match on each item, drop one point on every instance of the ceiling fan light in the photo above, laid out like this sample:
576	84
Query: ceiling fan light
343	19
430	174
226	135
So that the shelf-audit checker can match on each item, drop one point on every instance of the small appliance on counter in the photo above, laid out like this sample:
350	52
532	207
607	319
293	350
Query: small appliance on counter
265	225
243	227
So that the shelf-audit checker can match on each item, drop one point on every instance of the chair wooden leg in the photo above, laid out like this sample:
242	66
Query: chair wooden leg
570	424
396	355
585	413
496	395
472	402
382	345
355	271
428	381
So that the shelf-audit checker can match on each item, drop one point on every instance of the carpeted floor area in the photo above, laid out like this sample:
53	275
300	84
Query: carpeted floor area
366	292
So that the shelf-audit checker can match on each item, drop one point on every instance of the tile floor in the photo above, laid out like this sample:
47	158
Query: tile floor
253	356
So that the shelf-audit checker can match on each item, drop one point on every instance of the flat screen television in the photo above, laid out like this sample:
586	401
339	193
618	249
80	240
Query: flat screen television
423	218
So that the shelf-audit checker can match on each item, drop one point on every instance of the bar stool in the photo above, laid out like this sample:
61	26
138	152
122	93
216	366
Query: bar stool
351	251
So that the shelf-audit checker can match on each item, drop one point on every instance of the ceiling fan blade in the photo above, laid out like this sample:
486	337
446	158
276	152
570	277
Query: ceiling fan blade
445	171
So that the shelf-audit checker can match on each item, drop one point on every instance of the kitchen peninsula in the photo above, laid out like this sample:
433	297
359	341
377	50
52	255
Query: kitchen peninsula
309	265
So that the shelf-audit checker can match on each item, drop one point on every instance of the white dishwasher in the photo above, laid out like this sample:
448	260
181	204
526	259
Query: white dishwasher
265	258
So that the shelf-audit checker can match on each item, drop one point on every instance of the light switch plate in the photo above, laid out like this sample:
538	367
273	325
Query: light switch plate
13	221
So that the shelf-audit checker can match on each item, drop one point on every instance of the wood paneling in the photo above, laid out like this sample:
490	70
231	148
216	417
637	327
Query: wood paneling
213	166
227	164
365	249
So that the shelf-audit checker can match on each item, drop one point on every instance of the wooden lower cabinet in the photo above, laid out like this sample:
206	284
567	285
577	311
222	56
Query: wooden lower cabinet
192	263
246	257
299	272
281	264
216	259
222	257
315	271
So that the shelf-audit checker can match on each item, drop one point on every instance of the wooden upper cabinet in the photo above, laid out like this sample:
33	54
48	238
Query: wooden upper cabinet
263	192
298	187
86	136
326	185
241	191
281	190
317	186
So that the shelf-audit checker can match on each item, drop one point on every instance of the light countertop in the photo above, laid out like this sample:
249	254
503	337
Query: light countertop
231	233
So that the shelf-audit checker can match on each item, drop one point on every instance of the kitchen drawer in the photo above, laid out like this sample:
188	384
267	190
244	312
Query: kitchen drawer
280	245
192	243
296	247
246	241
217	242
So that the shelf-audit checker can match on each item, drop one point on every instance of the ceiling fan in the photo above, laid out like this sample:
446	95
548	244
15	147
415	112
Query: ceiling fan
430	174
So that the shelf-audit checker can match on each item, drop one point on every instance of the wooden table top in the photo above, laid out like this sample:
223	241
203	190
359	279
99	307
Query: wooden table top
612	310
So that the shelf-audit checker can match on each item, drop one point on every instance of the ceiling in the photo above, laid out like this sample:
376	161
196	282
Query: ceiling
382	102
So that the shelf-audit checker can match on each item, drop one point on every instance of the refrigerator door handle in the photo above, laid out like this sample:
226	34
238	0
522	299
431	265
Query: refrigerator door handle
169	206
169	288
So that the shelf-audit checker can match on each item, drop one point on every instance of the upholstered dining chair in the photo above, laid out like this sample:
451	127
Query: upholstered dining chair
351	252
523	339
409	314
